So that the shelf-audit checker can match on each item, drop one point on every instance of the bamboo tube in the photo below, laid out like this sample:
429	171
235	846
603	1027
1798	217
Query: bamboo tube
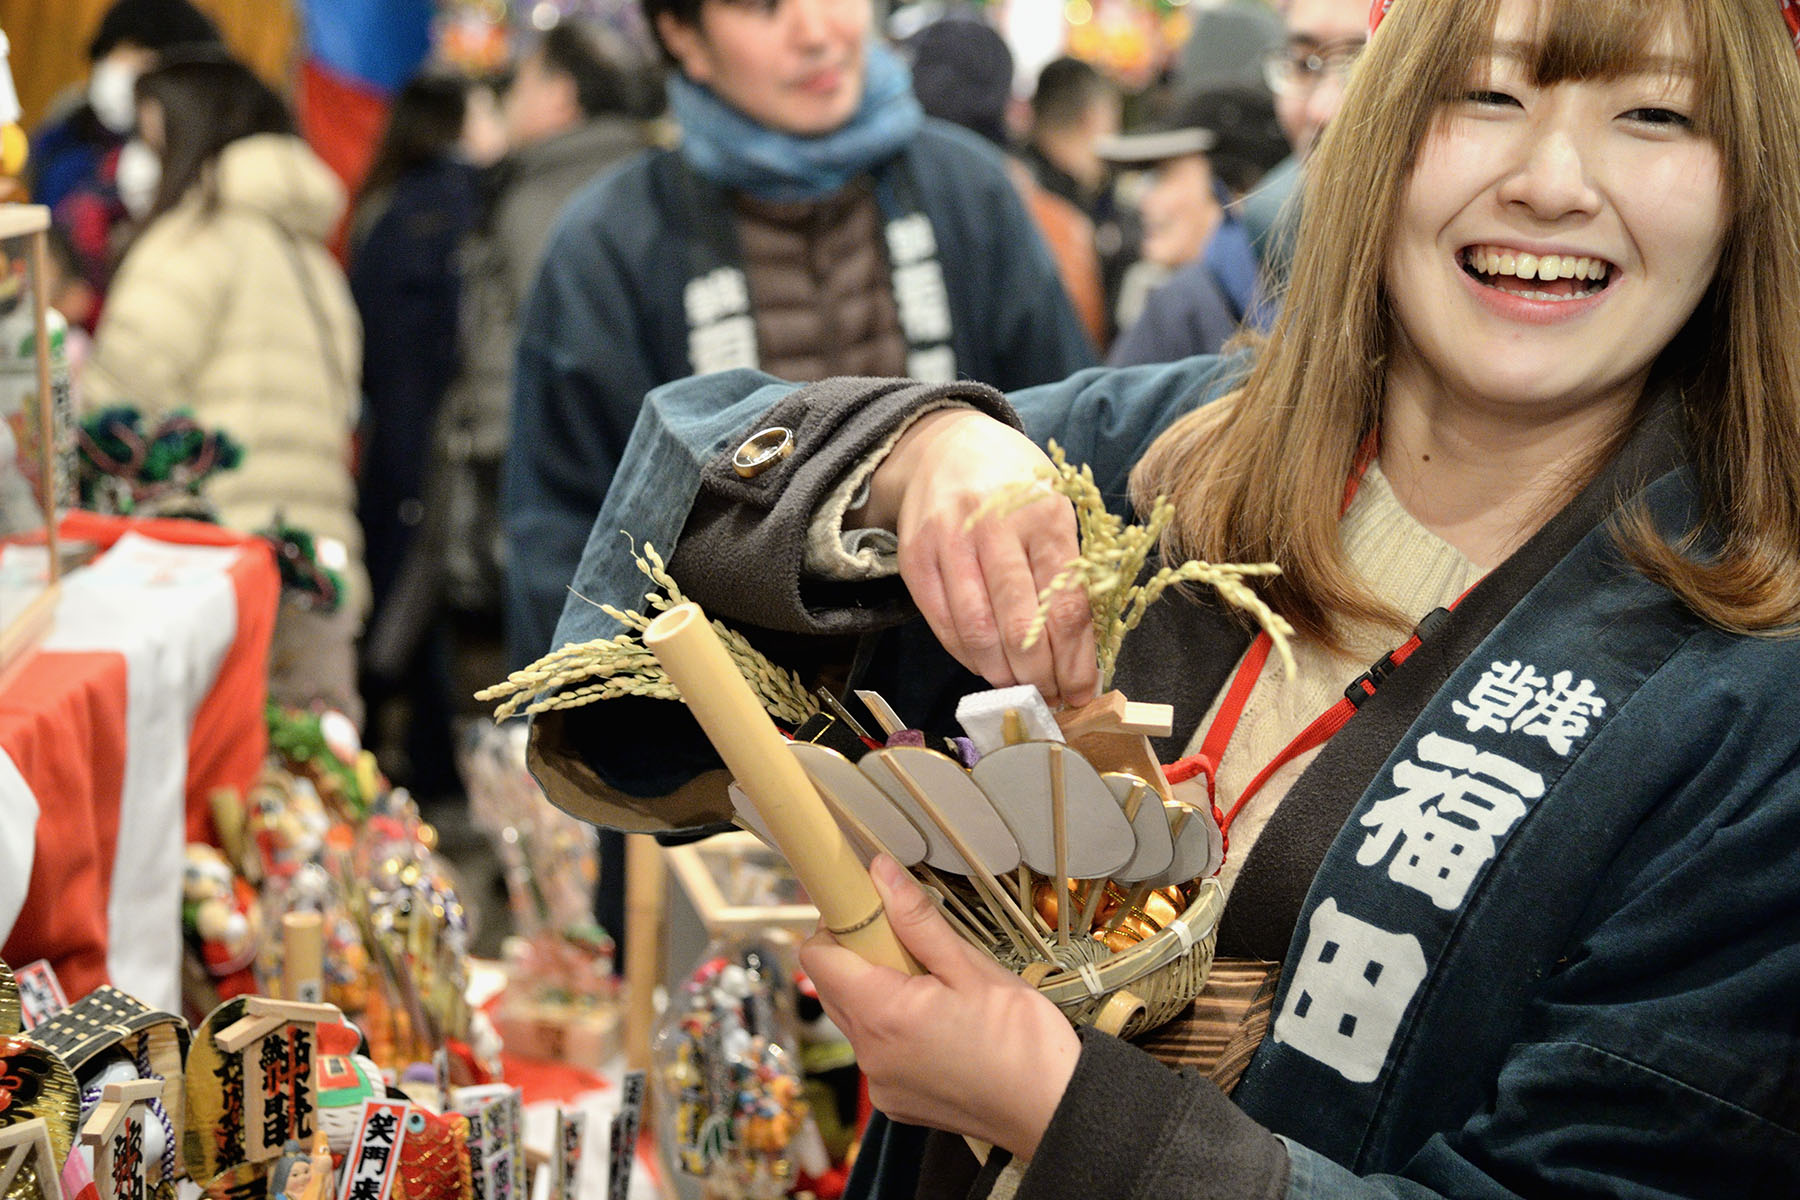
684	642
303	957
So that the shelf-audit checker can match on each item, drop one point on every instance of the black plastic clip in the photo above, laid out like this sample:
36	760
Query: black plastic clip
1364	685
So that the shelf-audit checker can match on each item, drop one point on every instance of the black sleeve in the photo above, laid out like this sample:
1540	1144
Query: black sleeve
1129	1126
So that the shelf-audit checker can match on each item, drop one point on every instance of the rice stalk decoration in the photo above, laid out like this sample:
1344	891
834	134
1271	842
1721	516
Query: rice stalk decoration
608	668
1112	559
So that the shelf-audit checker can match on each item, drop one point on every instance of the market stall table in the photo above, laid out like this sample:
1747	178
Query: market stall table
146	695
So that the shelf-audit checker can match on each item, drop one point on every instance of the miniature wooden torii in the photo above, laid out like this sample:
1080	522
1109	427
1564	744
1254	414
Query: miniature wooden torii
115	1129
275	1039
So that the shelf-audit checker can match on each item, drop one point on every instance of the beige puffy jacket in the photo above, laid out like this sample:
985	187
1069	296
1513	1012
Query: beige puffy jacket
209	312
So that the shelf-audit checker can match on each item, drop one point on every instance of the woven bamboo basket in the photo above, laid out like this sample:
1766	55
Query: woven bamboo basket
1131	991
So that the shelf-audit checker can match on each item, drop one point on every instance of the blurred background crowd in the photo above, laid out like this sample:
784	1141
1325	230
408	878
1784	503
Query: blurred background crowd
419	261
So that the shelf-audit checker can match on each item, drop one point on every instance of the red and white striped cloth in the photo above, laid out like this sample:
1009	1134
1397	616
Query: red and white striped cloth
145	696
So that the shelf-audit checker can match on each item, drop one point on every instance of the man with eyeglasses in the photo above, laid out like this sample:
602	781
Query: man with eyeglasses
1307	75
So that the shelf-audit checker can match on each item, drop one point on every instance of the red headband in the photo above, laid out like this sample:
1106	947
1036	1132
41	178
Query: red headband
1790	12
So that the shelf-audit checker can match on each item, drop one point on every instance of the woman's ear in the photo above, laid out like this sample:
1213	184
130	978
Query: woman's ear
688	46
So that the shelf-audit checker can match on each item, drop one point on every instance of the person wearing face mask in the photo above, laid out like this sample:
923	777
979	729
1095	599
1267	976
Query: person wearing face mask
227	303
85	166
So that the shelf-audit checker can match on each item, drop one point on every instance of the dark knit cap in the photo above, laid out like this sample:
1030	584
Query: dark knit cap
152	24
962	73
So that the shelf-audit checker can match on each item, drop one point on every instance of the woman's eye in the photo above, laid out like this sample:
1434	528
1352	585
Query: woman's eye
1489	98
1665	117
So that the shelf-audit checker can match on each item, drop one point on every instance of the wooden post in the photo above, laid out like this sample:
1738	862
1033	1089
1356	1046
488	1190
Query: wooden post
646	919
281	1083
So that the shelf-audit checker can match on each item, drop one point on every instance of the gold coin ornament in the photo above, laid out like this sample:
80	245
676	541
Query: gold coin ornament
34	1082
213	1140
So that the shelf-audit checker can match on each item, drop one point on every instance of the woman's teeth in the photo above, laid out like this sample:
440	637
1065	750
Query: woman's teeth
1493	265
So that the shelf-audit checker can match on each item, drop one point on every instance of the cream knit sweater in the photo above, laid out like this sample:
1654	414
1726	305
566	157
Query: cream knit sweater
1403	563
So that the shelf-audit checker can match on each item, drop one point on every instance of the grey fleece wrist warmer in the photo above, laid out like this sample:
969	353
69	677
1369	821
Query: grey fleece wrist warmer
742	553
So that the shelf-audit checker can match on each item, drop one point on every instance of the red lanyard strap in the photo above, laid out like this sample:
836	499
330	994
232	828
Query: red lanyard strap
1320	731
1327	723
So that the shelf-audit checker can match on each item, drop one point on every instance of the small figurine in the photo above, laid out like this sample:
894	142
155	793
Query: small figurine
221	911
302	1174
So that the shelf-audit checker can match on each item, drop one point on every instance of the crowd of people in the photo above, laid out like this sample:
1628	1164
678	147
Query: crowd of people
433	372
1471	316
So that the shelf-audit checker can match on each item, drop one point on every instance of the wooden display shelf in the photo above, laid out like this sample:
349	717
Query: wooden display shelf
17	220
719	914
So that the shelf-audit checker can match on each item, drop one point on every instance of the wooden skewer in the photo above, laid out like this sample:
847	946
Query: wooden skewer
979	875
1059	827
968	914
1133	802
955	922
882	711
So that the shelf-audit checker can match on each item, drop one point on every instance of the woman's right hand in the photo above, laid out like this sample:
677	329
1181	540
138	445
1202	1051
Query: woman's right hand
978	587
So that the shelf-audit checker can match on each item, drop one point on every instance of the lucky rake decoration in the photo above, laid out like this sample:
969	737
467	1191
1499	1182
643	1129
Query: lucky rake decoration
1052	839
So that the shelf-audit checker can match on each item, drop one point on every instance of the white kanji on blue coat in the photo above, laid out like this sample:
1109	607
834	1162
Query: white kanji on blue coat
910	239
1448	818
923	301
1349	992
714	296
934	364
722	345
1515	697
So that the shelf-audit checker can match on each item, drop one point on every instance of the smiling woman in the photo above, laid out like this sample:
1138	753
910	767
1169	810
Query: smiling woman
1534	395
1633	122
1608	173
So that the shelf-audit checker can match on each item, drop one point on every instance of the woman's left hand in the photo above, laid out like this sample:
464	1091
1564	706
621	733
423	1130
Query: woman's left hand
969	1048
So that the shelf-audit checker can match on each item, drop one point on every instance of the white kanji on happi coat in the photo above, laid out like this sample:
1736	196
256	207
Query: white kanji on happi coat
1448	818
1349	992
921	297
1514	697
721	333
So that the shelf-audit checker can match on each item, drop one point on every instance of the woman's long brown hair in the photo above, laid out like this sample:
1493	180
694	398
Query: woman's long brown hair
1261	476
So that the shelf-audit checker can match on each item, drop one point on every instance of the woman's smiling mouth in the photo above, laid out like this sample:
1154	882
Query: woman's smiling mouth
1551	277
